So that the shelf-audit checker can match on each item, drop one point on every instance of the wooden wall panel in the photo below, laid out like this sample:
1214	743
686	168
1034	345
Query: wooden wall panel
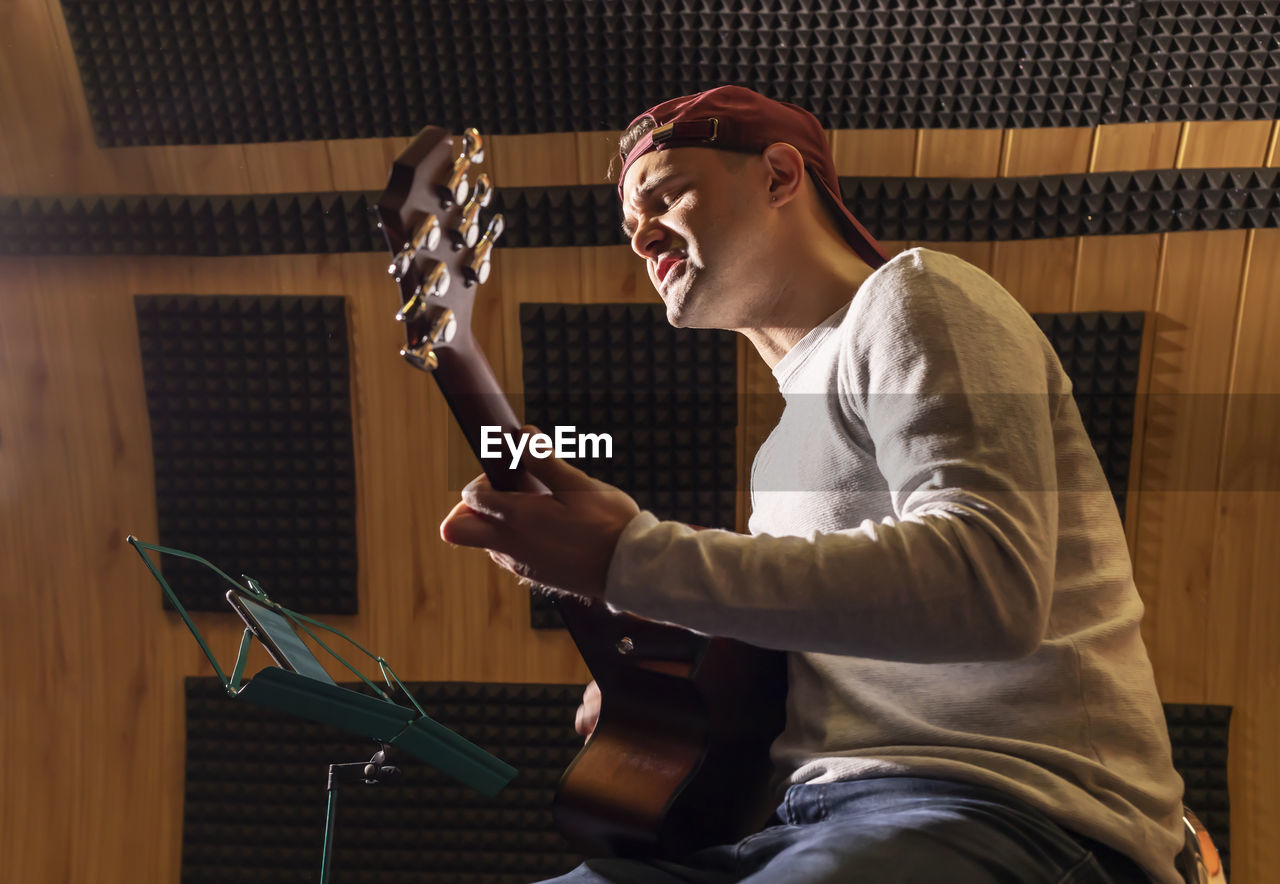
104	698
1040	273
95	666
613	274
288	167
1243	658
1117	272
874	152
189	169
551	159
1195	324
362	163
1224	144
1046	152
464	620
1123	273
90	649
34	89
959	153
561	159
1131	146
597	157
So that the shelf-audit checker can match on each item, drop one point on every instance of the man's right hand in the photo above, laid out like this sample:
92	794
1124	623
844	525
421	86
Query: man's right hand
584	722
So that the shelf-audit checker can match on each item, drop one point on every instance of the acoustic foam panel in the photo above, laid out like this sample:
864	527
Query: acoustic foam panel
667	396
254	810
255	790
1199	736
922	209
249	401
1198	60
1101	353
212	226
1095	204
227	71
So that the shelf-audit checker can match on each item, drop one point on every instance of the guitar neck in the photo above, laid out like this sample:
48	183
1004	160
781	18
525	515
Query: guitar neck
429	214
477	400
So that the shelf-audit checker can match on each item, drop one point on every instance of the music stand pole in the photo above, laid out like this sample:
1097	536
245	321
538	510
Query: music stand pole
368	772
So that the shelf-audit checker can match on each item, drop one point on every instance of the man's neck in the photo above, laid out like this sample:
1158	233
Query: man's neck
805	300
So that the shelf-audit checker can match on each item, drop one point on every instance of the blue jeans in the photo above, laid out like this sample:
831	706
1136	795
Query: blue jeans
888	830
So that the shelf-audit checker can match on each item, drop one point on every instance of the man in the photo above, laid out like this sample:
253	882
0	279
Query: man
932	540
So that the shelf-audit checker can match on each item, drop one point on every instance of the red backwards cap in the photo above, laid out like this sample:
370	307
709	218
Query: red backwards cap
736	118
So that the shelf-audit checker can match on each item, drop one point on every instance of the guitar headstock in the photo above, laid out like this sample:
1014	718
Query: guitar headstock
429	214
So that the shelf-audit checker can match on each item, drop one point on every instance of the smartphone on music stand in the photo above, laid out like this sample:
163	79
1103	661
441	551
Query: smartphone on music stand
278	636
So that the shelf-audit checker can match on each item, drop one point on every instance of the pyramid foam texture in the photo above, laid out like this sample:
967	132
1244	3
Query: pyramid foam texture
249	401
230	71
255	790
924	209
668	397
1101	353
1096	204
1199	735
1216	60
255	793
212	226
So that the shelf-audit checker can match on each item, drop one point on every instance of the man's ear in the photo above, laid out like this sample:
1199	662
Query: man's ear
786	172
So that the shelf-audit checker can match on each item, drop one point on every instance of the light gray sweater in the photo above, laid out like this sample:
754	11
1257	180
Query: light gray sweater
933	540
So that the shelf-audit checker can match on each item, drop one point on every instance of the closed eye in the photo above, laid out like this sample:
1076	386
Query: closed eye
672	195
661	192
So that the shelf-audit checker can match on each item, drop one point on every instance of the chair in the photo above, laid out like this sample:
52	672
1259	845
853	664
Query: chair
1198	863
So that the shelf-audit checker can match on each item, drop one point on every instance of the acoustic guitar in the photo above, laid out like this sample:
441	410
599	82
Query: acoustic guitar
680	757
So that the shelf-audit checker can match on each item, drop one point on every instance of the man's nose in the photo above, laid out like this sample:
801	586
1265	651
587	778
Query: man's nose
648	240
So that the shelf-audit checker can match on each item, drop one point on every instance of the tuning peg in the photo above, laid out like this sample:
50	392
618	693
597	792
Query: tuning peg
457	187
422	357
473	144
480	265
468	230
443	327
436	283
427	237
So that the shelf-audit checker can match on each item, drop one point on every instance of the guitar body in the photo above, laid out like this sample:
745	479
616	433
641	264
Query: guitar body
680	757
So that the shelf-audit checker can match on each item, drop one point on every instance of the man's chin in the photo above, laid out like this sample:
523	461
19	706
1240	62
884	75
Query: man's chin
683	312
679	315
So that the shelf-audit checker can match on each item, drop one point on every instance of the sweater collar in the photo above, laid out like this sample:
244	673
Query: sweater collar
786	368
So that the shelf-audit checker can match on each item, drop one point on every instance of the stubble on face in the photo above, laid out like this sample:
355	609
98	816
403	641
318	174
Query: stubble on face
709	222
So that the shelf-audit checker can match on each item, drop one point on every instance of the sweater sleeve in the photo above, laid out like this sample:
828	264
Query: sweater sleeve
949	377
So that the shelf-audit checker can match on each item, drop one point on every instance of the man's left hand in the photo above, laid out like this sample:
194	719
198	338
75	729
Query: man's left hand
564	539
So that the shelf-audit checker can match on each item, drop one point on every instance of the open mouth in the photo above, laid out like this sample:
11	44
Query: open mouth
666	265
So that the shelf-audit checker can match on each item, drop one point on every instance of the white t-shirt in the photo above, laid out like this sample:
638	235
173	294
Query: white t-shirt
934	541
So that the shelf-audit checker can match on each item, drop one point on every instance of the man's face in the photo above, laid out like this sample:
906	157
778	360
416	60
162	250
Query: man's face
695	215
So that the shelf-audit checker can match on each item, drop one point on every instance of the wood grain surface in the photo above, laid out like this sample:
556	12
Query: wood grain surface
92	717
